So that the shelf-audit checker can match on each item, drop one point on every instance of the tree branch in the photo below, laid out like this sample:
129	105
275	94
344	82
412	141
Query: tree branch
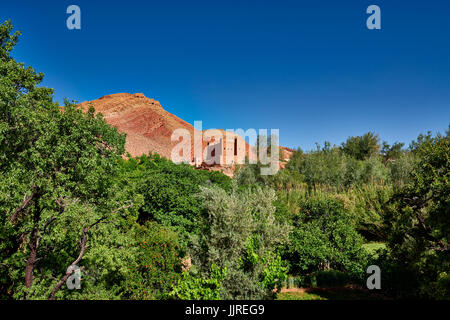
50	221
24	204
70	268
427	234
83	242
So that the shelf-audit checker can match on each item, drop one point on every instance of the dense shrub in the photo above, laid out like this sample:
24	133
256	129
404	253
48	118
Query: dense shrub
332	167
157	263
193	286
324	238
240	233
368	204
169	191
331	278
401	169
420	227
362	147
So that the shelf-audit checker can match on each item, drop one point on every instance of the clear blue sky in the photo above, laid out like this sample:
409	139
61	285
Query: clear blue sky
309	68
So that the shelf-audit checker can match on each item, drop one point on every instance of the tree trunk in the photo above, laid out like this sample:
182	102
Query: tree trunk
34	242
31	259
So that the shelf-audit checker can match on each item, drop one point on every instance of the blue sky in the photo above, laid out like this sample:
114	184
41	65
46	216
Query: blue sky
308	68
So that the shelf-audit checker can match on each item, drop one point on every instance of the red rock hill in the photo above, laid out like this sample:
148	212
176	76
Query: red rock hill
147	125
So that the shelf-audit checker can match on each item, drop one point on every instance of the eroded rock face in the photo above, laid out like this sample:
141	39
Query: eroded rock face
286	155
148	126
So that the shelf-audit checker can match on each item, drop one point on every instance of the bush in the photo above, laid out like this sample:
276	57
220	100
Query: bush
362	147
331	278
419	240
368	206
325	238
195	287
240	233
401	169
332	167
157	263
169	191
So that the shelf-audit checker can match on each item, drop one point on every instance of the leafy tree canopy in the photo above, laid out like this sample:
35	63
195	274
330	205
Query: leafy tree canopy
362	147
57	169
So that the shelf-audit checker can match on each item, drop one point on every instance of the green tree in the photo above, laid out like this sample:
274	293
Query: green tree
57	167
324	238
158	264
421	226
392	152
362	147
240	234
169	191
194	286
401	168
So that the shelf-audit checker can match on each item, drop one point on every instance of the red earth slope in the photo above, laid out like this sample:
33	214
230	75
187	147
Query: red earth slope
148	126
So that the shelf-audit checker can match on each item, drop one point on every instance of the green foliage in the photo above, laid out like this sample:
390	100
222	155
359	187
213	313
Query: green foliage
68	197
326	166
157	263
299	296
368	205
105	263
401	169
275	272
325	238
330	166
169	191
397	280
439	288
240	233
421	226
195	287
392	152
57	169
331	278
373	248
362	147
